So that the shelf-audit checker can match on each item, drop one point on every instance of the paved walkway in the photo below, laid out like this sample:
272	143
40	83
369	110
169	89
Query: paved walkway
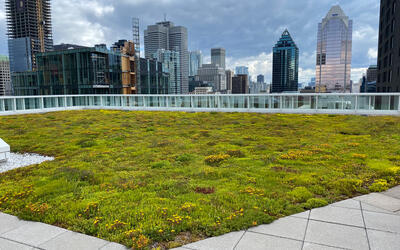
370	222
367	222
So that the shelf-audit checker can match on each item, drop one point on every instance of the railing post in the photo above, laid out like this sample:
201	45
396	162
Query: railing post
41	103
356	104
369	103
2	106
398	107
191	102
248	102
23	103
15	104
218	101
316	102
167	101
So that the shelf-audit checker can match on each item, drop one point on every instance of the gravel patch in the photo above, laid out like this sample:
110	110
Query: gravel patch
22	160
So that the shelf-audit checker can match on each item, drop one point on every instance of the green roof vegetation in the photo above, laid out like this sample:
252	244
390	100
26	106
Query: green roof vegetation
169	178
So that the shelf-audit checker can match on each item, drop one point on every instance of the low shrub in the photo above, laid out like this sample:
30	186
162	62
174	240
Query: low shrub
379	186
300	194
216	159
161	164
315	203
236	153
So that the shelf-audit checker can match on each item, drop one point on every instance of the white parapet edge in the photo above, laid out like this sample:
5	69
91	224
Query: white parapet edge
4	151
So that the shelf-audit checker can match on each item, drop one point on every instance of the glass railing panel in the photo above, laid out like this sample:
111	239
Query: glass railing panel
363	103
8	104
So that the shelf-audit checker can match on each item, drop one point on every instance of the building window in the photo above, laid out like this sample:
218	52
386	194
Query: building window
393	25
384	77
390	60
390	76
391	42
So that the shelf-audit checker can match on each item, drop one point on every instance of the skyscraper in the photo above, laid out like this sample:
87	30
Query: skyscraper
195	62
333	71
4	75
229	74
171	65
240	84
29	32
260	79
165	35
213	75
389	48
242	70
218	57
285	68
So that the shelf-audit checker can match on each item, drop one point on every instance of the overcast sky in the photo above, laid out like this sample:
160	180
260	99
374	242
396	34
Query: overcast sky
248	29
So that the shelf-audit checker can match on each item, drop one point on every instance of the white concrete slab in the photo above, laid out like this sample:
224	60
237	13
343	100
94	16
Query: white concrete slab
255	241
381	201
70	240
33	233
335	235
288	227
4	151
382	222
226	241
383	240
9	222
340	215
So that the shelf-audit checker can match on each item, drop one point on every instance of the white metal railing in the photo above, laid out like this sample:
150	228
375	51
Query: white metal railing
368	104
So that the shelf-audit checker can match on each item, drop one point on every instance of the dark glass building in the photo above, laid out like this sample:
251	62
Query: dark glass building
388	79
240	84
93	70
153	79
29	32
285	68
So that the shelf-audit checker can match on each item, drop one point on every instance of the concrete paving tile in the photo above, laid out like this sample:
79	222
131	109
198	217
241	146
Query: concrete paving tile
9	222
383	222
34	233
70	240
370	208
381	201
350	203
255	241
11	245
383	240
394	192
288	227
311	246
346	216
114	246
227	241
303	215
336	235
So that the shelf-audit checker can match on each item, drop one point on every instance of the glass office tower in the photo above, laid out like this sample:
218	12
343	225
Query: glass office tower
285	65
195	62
333	71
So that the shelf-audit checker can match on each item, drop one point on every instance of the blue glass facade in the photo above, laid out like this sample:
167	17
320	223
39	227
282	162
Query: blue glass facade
20	54
285	72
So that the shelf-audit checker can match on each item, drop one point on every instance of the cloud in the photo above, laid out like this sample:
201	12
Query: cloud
372	53
258	65
84	25
357	73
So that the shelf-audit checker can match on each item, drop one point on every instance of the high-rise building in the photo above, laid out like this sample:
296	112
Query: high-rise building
195	62
128	65
229	74
213	75
218	57
388	79
372	73
171	65
285	68
333	70
242	70
153	80
5	80
165	35
29	32
95	70
260	79
240	84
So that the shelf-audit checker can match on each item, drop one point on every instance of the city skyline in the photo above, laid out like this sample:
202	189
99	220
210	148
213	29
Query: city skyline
97	22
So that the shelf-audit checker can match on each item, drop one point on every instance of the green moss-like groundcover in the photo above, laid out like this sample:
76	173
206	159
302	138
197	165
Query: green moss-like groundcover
154	179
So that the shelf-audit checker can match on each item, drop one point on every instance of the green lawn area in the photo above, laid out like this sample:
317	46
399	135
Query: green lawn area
166	179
